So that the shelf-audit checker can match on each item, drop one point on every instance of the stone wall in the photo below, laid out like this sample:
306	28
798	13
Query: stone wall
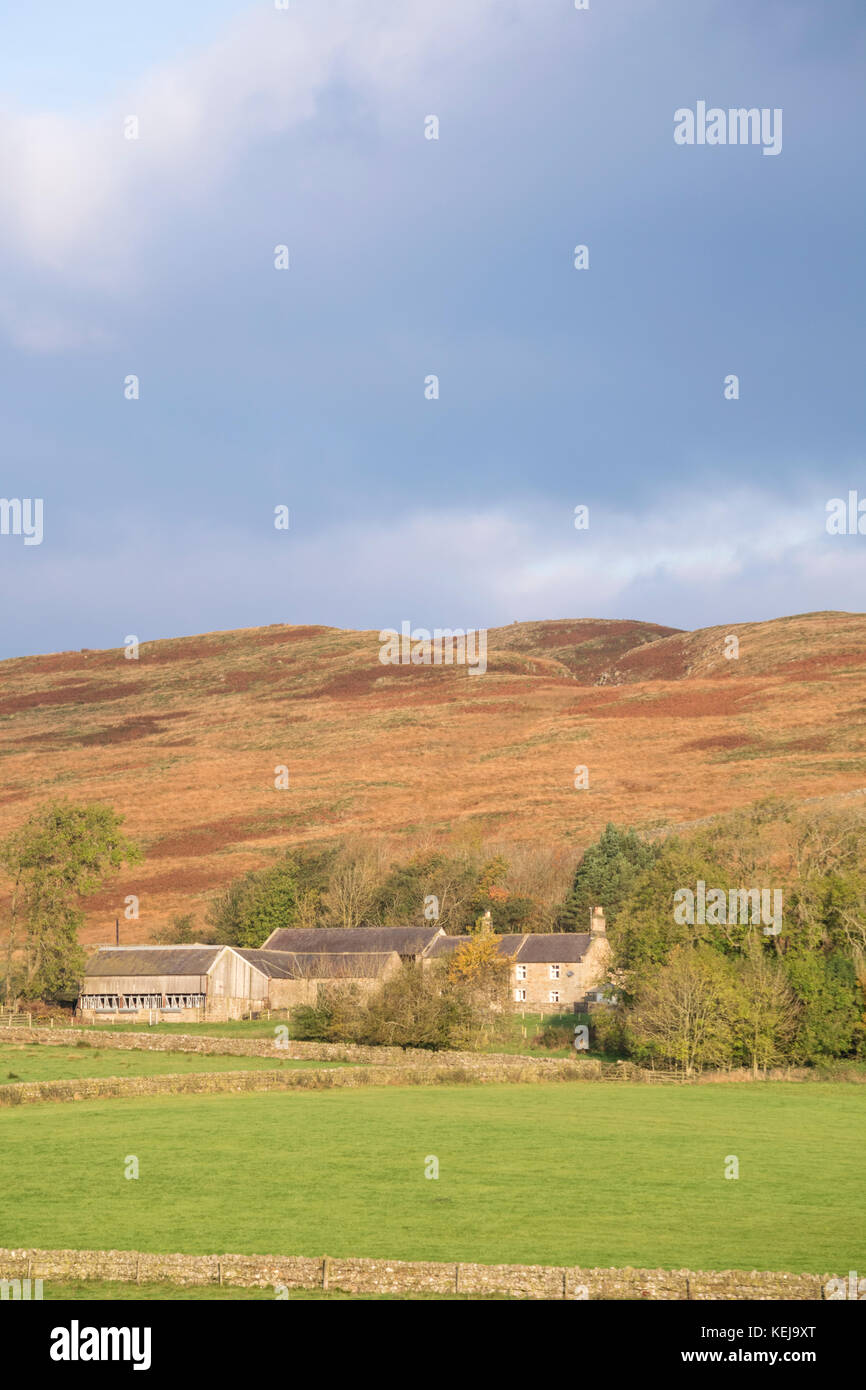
265	1047
406	1277
479	1071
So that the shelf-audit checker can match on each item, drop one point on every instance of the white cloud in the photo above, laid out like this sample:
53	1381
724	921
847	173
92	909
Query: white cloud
77	194
692	561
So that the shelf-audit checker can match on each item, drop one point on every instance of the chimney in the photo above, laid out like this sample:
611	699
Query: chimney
597	924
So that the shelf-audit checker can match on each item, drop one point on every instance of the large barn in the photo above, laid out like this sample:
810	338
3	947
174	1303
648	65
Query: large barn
190	984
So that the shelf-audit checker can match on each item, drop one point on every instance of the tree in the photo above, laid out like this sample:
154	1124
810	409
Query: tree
254	906
646	928
351	892
61	854
684	1011
289	893
767	1010
605	876
181	931
831	1022
478	967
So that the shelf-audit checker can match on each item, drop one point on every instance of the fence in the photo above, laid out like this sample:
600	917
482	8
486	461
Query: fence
8	1019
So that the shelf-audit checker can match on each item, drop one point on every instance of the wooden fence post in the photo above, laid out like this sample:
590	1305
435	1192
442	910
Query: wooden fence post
326	1265
456	1278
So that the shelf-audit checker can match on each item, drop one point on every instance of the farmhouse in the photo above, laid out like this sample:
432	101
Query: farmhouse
199	983
549	970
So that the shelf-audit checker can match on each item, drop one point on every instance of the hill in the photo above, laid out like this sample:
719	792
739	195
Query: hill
186	741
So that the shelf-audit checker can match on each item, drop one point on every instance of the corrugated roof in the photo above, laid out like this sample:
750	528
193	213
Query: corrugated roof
407	941
152	960
446	945
310	965
553	947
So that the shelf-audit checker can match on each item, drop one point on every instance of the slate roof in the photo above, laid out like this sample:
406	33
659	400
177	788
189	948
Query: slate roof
309	965
152	960
554	947
446	945
407	941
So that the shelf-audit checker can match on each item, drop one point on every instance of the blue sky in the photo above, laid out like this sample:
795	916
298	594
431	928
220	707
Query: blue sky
305	387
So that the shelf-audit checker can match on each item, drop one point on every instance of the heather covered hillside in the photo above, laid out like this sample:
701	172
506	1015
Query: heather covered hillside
659	728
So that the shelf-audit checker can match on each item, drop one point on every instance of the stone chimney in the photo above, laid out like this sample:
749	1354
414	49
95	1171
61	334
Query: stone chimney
597	923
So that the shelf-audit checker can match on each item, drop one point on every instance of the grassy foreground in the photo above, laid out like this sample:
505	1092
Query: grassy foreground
36	1063
597	1174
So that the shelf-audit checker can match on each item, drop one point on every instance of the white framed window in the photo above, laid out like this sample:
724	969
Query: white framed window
520	972
520	996
554	972
553	996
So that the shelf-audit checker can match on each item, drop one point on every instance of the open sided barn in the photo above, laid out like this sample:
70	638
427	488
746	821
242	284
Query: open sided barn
192	984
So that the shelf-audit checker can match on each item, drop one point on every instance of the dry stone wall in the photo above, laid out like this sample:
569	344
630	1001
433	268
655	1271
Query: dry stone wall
268	1047
316	1079
280	1273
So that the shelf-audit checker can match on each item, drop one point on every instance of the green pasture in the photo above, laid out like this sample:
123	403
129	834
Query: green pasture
589	1173
35	1062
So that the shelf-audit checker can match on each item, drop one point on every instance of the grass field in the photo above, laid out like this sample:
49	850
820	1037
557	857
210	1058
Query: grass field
593	1174
36	1063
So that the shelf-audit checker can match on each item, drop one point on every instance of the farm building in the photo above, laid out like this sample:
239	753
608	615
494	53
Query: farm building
195	983
410	943
188	984
549	970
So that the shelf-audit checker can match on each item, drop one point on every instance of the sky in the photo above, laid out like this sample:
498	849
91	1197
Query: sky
605	387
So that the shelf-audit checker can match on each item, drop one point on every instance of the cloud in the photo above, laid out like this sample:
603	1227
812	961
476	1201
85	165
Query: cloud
692	561
78	195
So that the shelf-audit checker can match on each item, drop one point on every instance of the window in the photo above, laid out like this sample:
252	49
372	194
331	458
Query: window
102	1003
553	996
520	996
520	971
554	972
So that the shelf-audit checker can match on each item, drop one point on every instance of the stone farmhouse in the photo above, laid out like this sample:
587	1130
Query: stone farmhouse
550	971
188	984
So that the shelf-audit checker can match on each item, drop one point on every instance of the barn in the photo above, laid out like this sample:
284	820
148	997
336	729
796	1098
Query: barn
192	984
